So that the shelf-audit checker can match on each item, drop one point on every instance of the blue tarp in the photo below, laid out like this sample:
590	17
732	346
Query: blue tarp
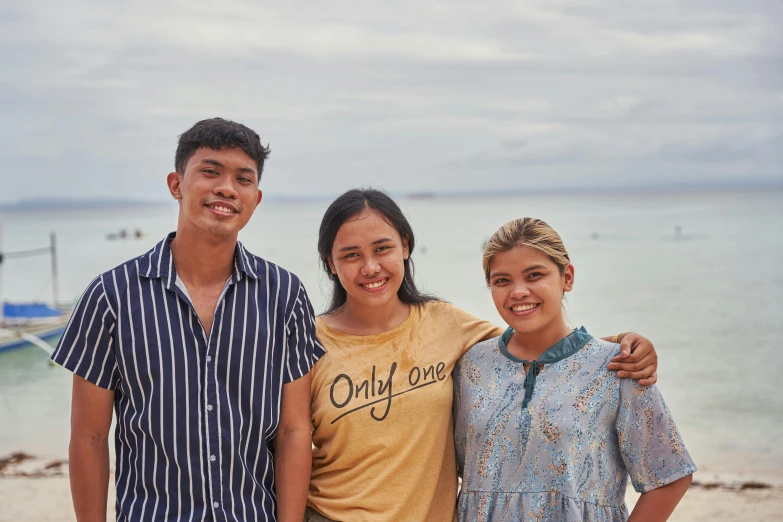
29	311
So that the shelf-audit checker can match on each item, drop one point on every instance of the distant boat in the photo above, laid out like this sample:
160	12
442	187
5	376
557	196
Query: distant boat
23	324
421	195
31	323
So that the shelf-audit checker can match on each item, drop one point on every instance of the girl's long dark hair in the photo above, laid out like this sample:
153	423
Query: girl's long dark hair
349	205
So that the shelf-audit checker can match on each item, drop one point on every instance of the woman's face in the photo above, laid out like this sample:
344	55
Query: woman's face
368	257
528	288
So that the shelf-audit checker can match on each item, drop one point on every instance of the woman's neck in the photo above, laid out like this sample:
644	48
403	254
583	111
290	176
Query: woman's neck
358	319
530	345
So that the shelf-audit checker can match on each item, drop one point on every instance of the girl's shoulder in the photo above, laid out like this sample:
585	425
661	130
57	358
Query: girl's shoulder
438	311
599	346
482	350
597	353
435	307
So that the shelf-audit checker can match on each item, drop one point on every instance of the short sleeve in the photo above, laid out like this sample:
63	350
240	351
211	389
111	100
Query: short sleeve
303	348
650	444
473	330
87	345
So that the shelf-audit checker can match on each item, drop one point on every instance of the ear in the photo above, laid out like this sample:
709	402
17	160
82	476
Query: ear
405	249
260	195
174	181
568	276
331	265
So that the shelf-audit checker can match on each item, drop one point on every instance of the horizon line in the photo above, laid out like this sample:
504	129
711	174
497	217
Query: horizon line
97	201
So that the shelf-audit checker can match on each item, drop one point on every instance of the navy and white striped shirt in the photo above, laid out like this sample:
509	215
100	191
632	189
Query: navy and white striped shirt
196	415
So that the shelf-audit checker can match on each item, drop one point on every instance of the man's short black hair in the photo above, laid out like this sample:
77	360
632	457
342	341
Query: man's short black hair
217	133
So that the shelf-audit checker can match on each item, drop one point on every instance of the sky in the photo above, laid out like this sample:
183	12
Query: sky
408	95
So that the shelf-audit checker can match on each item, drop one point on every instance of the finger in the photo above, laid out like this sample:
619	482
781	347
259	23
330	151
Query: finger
629	343
640	349
627	365
641	374
640	352
649	381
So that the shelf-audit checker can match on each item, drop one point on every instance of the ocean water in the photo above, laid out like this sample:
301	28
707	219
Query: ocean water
710	297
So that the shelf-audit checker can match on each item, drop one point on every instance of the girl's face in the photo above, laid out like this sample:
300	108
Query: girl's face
368	257
527	288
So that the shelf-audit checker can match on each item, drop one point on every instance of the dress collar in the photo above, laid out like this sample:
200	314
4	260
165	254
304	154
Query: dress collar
565	347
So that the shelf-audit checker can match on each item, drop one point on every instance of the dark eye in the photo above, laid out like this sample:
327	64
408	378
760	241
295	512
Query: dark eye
350	254
500	281
534	275
245	180
382	248
209	171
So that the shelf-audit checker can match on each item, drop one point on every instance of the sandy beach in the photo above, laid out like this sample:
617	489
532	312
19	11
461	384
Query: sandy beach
31	489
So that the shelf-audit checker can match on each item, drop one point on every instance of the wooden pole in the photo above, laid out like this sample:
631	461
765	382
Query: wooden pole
55	297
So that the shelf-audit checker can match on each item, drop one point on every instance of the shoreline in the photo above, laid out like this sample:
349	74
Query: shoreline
20	464
38	489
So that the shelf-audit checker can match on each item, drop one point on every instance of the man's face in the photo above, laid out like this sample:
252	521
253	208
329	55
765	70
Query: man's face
218	191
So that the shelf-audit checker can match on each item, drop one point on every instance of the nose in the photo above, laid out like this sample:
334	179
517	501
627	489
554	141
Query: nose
225	187
370	267
519	291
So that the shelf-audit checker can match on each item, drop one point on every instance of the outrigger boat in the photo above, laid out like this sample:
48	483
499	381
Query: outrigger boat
25	324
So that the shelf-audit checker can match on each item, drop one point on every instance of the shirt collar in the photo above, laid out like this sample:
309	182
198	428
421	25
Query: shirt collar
568	345
565	347
158	263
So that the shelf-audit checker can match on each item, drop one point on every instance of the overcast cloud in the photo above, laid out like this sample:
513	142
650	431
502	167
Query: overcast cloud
411	95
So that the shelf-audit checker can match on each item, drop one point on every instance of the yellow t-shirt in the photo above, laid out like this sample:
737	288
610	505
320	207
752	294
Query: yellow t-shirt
382	414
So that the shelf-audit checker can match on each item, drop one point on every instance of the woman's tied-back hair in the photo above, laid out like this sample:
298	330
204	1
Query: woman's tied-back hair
529	232
348	206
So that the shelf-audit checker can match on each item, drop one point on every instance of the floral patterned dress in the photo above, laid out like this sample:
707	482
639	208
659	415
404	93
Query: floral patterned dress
559	442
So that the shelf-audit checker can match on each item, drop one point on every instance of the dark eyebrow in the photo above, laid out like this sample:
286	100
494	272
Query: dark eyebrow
376	242
246	170
212	162
243	170
528	269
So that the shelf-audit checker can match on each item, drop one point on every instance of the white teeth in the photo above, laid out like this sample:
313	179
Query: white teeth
376	285
522	308
223	209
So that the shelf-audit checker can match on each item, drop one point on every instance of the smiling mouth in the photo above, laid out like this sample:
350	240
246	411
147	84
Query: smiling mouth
221	209
375	285
522	308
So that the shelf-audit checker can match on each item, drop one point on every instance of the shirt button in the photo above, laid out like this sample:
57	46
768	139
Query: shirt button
209	407
216	505
213	458
209	358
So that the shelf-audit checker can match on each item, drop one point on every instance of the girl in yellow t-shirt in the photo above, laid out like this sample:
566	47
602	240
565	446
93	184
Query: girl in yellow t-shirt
382	395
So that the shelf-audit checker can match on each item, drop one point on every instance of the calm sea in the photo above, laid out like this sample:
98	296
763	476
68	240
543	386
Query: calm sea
710	296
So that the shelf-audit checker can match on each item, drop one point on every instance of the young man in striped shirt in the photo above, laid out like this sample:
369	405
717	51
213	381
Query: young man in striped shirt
203	351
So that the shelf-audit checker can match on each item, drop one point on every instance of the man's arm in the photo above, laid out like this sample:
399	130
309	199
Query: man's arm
88	454
293	451
637	359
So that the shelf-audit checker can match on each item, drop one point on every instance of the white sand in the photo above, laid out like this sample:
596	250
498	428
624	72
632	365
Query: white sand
49	500
719	505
